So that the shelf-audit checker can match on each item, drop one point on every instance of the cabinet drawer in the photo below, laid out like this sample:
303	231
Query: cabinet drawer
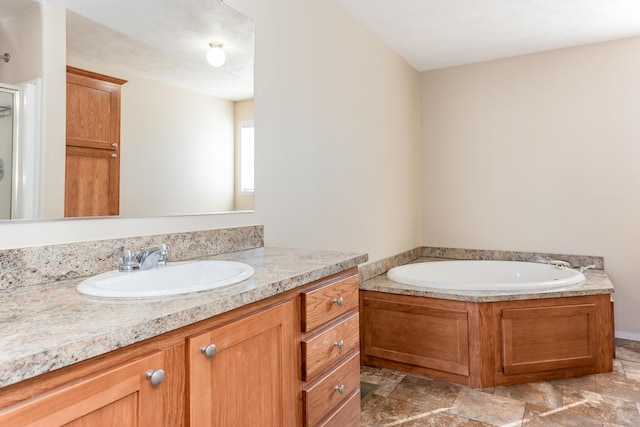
322	304
347	415
323	395
324	348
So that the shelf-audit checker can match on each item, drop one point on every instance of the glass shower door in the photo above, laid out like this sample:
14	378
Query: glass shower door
7	136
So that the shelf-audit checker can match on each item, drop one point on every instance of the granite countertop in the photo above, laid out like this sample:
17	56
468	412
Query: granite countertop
46	327
597	283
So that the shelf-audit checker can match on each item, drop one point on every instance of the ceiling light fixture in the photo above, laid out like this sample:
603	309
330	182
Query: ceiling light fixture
216	56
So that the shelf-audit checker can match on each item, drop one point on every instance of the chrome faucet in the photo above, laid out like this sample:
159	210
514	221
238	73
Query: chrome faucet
153	257
584	268
149	258
558	264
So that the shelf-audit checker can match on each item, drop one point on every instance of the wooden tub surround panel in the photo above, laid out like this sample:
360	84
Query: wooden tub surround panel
419	335
490	343
547	338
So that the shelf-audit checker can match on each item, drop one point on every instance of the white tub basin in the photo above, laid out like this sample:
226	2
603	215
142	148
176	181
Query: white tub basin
174	279
485	275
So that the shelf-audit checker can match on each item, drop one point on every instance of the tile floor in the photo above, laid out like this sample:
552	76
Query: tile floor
392	398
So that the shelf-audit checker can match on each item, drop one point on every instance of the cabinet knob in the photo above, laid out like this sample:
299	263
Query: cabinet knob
339	388
339	300
114	155
114	145
339	344
155	377
208	350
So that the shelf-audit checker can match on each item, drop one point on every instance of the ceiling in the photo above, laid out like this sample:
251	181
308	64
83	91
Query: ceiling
432	34
429	34
163	40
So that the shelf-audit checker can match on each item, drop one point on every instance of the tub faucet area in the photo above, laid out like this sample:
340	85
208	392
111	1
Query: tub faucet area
149	258
558	264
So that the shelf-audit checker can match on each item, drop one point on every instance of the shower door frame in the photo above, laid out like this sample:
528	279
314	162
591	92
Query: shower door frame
27	173
15	147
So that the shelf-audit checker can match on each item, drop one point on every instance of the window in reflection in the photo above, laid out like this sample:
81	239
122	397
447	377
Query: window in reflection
246	157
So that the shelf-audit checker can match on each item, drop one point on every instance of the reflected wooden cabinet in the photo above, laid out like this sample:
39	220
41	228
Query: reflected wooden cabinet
244	373
92	171
143	392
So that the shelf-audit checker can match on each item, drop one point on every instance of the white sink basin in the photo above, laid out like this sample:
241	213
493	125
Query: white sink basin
174	279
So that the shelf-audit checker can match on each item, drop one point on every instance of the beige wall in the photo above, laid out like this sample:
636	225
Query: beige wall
21	37
54	113
35	39
337	130
539	153
194	145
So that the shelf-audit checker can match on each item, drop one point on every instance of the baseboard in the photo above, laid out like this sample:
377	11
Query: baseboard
627	336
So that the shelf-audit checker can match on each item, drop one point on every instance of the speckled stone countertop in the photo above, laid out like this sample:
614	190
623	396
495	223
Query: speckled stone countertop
46	327
597	283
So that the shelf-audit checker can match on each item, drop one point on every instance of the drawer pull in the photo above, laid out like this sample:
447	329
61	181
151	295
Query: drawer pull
208	350
339	344
339	301
155	377
339	388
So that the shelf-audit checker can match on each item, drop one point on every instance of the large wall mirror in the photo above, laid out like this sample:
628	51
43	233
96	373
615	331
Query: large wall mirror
186	127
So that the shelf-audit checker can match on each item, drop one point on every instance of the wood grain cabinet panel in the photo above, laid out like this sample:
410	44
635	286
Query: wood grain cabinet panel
250	380
321	304
330	356
92	171
332	389
488	344
330	344
122	396
417	333
548	338
347	415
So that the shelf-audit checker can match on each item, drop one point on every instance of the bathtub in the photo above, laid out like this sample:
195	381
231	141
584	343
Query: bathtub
488	323
485	275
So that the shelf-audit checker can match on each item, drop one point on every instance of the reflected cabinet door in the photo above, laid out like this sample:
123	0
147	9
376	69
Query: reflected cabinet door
92	172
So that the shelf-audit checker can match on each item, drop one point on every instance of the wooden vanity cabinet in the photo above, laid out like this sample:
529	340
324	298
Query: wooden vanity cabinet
244	367
116	394
244	373
330	353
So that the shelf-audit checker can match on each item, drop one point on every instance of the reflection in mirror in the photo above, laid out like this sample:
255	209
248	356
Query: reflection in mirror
181	119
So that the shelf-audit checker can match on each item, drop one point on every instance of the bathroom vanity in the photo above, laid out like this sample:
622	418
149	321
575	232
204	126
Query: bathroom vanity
279	349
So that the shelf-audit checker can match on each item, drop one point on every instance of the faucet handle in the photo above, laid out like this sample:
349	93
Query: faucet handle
162	248
153	256
127	259
584	268
558	263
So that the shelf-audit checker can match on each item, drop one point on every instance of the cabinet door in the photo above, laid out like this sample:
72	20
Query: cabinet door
91	182
121	396
548	338
251	378
92	176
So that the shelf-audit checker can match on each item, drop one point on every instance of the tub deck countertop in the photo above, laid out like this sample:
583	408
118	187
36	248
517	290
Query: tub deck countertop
46	327
597	283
